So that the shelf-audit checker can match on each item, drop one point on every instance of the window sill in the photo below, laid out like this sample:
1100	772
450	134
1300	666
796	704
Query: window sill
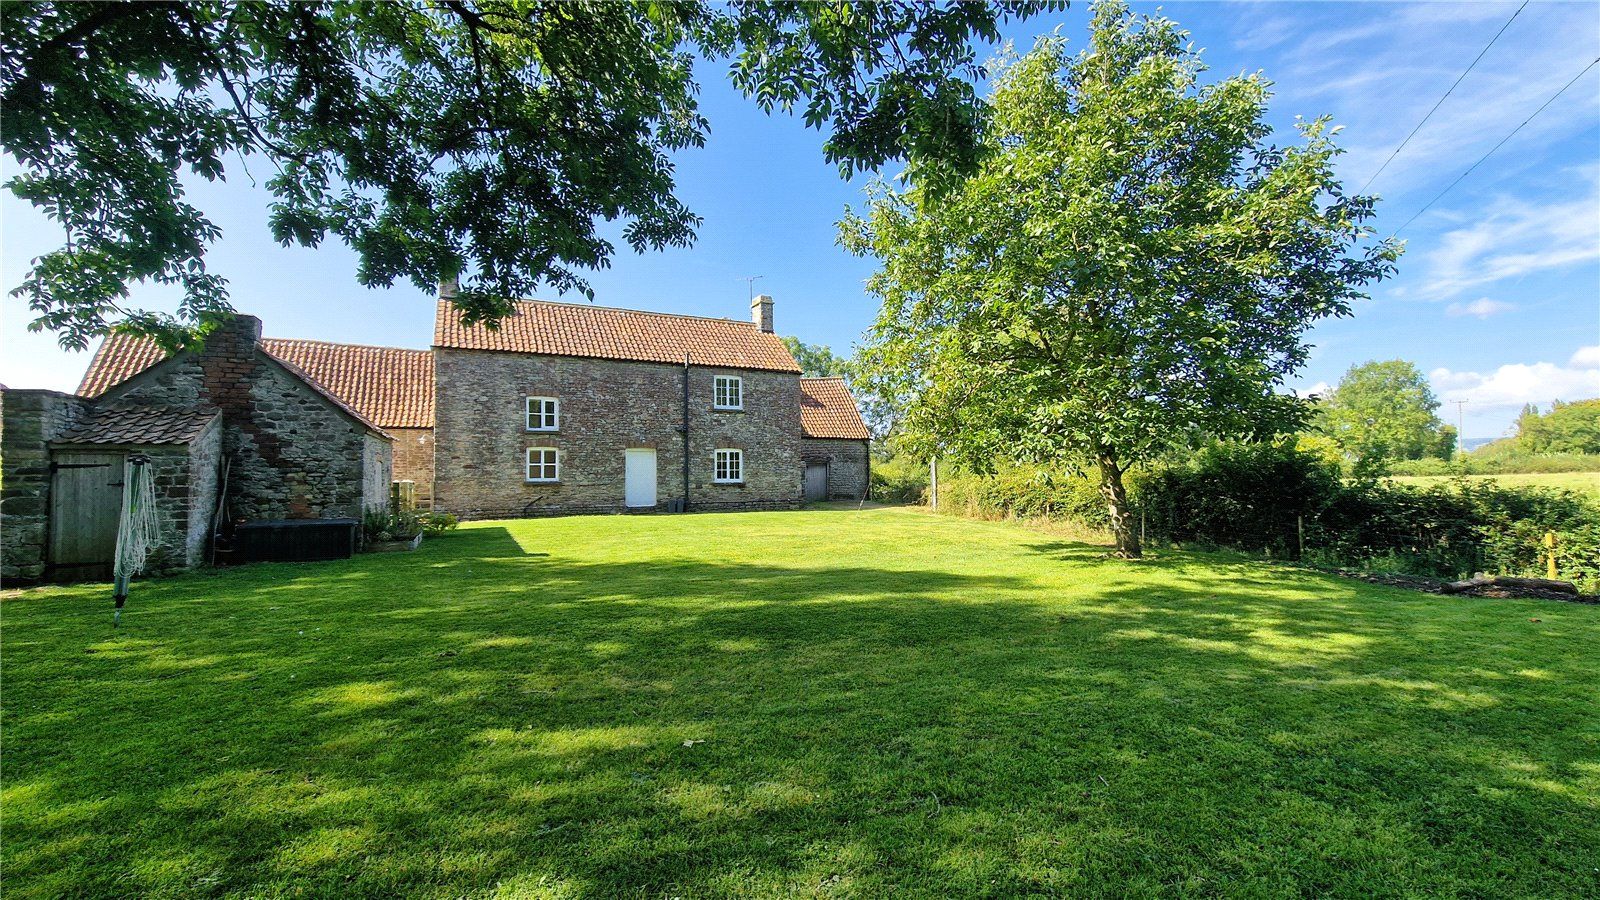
737	409
541	481
728	483
542	430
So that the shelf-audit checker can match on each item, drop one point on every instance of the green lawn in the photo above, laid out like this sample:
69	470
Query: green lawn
1582	482
831	702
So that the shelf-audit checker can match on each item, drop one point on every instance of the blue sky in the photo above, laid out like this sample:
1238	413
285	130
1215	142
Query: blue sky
1498	296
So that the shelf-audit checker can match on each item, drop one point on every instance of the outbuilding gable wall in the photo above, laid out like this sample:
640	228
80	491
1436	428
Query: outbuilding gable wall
293	453
847	465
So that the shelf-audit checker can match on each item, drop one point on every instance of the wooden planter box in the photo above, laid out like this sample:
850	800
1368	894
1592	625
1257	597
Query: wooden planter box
395	546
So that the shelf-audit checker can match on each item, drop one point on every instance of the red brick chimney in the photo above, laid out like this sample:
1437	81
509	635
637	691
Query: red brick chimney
228	360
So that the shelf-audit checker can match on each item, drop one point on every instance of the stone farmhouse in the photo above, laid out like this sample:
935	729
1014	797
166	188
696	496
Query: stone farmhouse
578	408
565	408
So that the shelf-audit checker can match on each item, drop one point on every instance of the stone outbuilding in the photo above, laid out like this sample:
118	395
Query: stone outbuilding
229	429
835	442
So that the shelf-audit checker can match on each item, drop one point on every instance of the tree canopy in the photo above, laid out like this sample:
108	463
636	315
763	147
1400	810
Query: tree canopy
1132	265
1385	410
817	360
1567	428
473	139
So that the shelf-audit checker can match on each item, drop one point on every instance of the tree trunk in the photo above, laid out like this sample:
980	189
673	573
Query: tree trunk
1116	497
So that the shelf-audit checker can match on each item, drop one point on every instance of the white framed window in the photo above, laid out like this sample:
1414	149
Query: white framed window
729	467
729	392
544	414
544	464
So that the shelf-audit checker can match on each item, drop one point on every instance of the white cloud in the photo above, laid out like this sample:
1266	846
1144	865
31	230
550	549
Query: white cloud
1482	308
1512	386
1512	237
1382	72
1266	32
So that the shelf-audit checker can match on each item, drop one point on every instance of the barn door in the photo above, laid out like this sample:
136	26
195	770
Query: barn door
85	503
816	481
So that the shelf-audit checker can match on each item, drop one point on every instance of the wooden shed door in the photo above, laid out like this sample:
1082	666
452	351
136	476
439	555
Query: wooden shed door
85	503
816	481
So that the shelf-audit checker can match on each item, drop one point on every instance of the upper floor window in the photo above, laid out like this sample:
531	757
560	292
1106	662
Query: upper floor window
729	467
544	414
730	392
544	464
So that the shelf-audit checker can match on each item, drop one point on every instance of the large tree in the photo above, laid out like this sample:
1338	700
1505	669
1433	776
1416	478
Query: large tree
1132	265
1382	410
1568	428
817	360
480	139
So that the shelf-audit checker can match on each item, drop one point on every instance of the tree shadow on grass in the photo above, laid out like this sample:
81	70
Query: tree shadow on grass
473	718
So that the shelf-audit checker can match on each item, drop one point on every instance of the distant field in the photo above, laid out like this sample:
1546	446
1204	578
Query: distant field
1586	482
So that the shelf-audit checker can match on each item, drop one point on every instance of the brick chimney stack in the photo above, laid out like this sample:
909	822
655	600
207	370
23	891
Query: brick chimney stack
235	338
228	364
761	312
449	288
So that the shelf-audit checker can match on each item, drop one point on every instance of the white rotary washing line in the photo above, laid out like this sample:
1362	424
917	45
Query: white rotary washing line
138	527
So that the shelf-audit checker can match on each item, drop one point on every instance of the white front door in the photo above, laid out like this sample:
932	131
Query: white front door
639	478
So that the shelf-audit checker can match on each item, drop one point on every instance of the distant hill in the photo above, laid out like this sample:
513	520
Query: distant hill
1471	444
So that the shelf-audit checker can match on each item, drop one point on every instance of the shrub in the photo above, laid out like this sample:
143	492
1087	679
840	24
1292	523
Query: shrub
1026	492
383	525
1249	496
899	479
1258	497
1268	498
439	523
1506	457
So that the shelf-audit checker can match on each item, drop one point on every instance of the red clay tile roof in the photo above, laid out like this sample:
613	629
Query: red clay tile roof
386	386
132	423
120	357
600	332
828	411
390	386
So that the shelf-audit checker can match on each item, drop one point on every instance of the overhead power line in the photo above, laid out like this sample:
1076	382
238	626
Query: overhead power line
1444	98
1502	143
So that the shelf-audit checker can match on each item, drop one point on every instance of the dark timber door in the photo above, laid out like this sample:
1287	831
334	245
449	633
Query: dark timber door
816	481
85	503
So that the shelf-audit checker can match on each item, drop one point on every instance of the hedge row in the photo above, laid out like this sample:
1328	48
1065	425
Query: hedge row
1292	504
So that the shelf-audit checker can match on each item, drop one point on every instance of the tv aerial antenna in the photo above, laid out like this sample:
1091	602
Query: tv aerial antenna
751	280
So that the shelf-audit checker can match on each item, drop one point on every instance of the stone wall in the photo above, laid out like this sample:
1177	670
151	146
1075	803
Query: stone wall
413	458
847	465
377	472
294	453
29	420
170	473
205	461
607	406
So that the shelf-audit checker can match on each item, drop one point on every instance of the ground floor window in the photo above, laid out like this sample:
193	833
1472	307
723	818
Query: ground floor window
544	464
730	467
